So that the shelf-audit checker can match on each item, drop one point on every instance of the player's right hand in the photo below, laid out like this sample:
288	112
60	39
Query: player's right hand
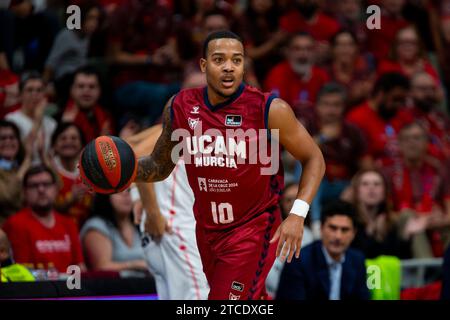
289	235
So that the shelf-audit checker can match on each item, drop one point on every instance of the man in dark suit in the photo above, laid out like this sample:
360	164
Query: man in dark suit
328	269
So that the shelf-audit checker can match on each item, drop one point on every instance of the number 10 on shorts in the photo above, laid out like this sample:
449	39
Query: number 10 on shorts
225	213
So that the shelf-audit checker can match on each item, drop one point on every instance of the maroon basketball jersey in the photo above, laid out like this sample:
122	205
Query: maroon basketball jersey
225	148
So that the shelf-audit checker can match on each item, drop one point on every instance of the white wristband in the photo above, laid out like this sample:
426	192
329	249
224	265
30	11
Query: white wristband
300	208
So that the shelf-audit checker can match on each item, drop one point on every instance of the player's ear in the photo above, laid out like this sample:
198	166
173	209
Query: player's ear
203	65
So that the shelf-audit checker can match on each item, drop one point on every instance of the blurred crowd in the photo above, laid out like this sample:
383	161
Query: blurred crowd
374	100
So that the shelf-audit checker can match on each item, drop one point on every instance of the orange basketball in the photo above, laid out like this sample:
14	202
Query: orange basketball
108	164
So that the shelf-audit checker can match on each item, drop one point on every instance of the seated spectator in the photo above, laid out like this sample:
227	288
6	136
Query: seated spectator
27	27
42	238
30	118
72	199
307	16
421	193
10	271
70	51
258	27
297	80
356	72
83	109
382	115
110	239
147	66
379	40
287	200
424	93
351	16
328	269
442	52
9	92
15	159
341	143
377	230
408	56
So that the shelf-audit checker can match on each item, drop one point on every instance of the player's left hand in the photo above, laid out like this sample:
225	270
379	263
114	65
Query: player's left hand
156	226
290	234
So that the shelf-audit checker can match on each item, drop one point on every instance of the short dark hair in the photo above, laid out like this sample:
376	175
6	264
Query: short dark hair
87	70
222	34
332	88
63	126
37	169
86	6
338	208
27	76
389	81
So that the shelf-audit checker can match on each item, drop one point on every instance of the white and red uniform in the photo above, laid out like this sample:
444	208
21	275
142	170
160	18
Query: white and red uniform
175	261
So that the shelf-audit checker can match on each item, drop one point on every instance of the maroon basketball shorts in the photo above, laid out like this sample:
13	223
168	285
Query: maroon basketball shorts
236	262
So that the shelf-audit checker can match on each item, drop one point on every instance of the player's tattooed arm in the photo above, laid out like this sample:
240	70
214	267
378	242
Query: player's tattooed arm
158	165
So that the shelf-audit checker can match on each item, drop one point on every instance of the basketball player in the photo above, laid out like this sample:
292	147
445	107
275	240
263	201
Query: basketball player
238	220
169	240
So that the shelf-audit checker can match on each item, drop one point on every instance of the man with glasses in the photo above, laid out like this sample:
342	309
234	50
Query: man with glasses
40	237
30	118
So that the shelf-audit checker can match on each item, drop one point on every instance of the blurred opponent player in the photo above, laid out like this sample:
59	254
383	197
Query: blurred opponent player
236	206
169	240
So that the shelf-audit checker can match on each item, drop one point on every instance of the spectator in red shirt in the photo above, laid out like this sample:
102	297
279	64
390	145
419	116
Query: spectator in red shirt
83	109
350	68
342	145
421	192
424	93
297	80
9	92
442	52
408	55
382	115
349	14
40	236
307	16
72	199
379	40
